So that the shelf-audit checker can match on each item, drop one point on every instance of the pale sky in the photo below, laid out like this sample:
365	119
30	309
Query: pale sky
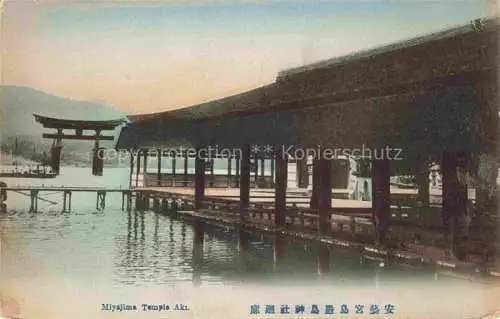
153	56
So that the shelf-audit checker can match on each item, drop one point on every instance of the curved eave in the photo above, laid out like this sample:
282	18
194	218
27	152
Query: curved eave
50	122
478	25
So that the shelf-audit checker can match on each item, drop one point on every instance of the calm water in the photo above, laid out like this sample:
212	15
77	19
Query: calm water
88	257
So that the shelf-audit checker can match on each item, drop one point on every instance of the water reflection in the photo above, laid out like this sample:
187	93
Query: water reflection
197	258
279	249
143	248
323	259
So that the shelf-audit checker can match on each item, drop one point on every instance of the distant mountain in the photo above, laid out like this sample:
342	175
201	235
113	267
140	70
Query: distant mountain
17	106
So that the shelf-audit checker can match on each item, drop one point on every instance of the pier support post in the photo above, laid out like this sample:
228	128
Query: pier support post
66	202
381	204
454	200
199	182
139	201
34	201
129	200
280	189
324	194
101	200
156	204
186	163
158	175
245	181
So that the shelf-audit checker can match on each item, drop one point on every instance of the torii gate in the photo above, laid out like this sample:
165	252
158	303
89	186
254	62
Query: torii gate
78	126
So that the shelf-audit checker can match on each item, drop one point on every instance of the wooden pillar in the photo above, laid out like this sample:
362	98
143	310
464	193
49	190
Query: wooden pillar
186	163
262	166
381	205
145	155
145	162
324	194
422	179
229	173
454	200
302	174
245	180
97	159
316	173
280	189
199	180
212	164
173	168
55	155
131	169
255	164
64	202
138	168
237	169
158	178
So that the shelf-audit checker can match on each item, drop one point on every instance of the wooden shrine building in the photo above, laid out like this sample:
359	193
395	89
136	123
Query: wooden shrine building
433	97
78	127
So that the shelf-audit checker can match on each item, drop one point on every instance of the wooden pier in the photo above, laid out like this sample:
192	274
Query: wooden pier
35	193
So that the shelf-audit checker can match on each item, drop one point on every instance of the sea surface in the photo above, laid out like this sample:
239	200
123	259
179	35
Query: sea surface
66	265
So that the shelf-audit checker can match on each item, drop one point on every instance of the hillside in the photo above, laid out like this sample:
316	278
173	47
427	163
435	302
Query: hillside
17	105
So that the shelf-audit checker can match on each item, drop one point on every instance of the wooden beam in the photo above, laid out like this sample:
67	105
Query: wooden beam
381	203
186	163
245	180
280	189
315	184
131	169
229	171
158	178
422	179
138	168
78	137
454	200
324	194
237	169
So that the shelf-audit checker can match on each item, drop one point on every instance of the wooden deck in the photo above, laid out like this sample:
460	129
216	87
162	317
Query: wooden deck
264	196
